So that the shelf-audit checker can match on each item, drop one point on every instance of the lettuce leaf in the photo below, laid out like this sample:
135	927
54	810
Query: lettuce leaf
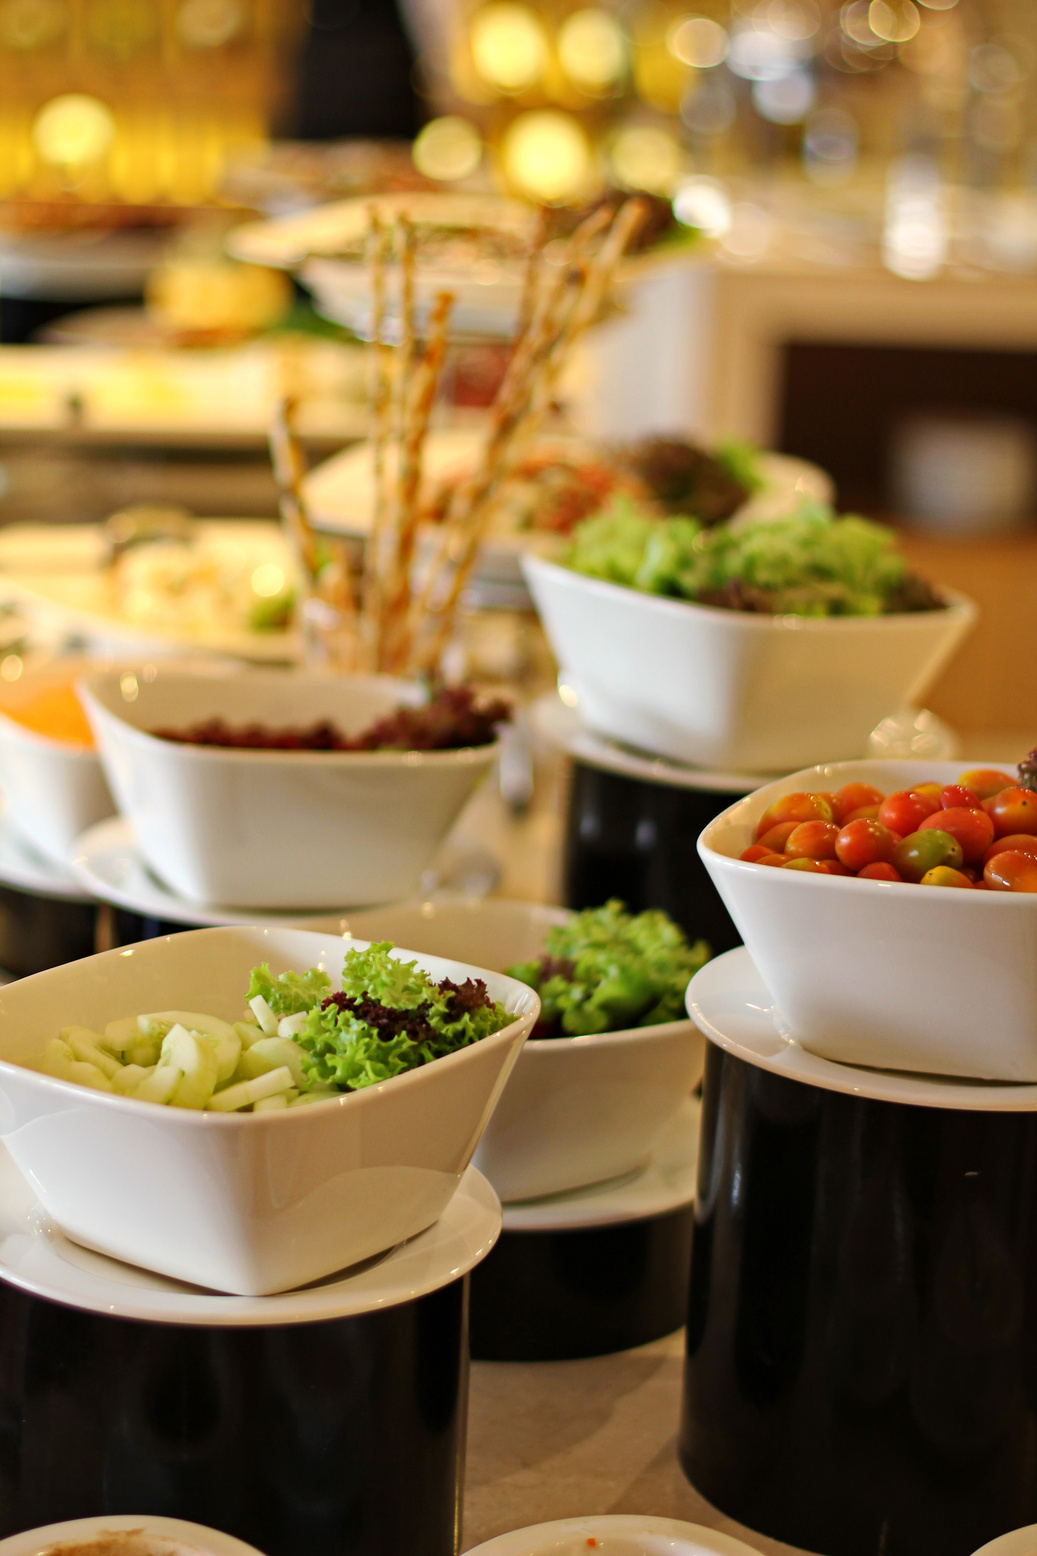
292	992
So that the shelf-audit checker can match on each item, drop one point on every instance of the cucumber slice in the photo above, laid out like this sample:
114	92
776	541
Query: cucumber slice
249	1032
264	1015
60	1061
130	1077
83	1044
160	1085
145	1051
269	1053
186	1051
246	1092
291	1026
271	1104
123	1034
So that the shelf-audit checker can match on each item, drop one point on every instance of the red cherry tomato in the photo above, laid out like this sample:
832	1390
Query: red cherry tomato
833	867
1012	810
905	811
986	781
972	828
864	842
812	840
1016	842
880	871
943	875
812	866
855	796
755	852
776	837
862	813
772	860
955	794
795	807
1011	871
930	790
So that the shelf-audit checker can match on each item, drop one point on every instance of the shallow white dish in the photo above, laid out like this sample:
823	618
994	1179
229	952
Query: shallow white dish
159	1537
276	829
25	870
614	1534
884	973
36	1256
246	1203
52	790
1020	1542
730	1003
576	1110
732	689
665	1183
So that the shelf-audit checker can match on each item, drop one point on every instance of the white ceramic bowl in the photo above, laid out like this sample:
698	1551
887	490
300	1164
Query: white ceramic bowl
52	790
881	973
1021	1542
276	829
248	1203
614	1534
139	1534
732	689
576	1110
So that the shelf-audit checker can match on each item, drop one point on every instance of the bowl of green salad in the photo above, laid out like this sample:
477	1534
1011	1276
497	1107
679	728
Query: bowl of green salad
612	1056
755	646
251	1110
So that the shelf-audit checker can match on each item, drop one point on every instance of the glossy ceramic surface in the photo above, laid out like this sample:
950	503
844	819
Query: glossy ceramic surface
37	1258
731	1004
158	1537
863	1292
1021	1542
276	829
730	689
576	1110
251	1203
877	973
614	1534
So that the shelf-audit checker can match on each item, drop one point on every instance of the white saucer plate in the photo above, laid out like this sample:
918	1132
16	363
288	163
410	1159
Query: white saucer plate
1021	1542
37	1257
666	1183
170	1535
615	1534
25	870
729	1002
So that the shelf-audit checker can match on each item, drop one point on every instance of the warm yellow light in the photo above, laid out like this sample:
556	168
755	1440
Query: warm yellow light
73	130
697	41
509	46
31	24
546	155
447	148
209	24
591	49
268	580
645	156
894	21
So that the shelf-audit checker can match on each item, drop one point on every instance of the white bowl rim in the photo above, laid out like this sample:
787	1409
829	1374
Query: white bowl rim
842	882
608	1039
457	756
197	1538
203	1118
536	1539
958	604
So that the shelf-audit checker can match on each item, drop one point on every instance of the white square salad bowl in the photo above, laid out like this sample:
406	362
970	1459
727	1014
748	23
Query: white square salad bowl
246	1203
576	1110
276	829
735	690
882	973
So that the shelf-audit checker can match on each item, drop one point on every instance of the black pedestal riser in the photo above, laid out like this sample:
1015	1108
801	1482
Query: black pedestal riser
338	1438
861	1376
555	1296
636	840
41	932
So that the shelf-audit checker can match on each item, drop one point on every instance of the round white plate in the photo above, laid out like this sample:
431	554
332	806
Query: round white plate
209	1542
665	1184
1021	1542
26	870
615	1534
727	999
558	723
107	863
36	1256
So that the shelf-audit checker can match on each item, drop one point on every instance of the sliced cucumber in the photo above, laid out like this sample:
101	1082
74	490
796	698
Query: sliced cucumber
264	1015
83	1044
194	1057
269	1053
160	1085
247	1092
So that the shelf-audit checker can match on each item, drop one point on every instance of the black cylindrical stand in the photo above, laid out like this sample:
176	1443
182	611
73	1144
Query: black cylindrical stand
341	1437
635	839
861	1375
37	932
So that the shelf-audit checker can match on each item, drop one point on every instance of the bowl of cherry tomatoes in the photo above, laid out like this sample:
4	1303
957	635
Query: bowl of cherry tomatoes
891	909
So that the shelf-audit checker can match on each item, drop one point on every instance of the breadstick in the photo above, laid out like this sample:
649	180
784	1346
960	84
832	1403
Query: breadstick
378	240
289	469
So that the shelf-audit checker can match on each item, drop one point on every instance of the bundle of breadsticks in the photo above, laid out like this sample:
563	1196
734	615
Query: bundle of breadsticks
402	610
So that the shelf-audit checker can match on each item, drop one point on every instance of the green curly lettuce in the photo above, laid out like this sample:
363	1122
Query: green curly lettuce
292	992
607	969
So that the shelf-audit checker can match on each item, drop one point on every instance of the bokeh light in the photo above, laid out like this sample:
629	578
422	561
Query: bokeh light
797	20
787	100
509	45
209	24
546	155
697	41
646	156
831	141
73	130
894	21
703	203
32	24
592	49
447	148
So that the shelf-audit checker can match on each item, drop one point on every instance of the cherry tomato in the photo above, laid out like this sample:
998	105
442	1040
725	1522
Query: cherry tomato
833	867
862	813
986	781
755	852
922	851
880	871
812	866
905	811
1011	871
775	837
930	790
943	875
1012	810
812	840
972	828
772	859
854	796
1016	842
864	842
955	794
795	807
